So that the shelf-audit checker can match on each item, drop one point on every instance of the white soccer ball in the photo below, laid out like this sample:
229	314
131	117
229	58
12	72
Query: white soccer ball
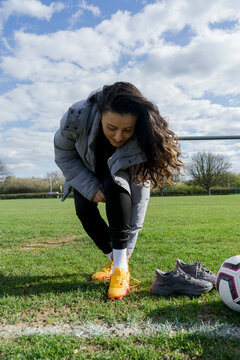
228	282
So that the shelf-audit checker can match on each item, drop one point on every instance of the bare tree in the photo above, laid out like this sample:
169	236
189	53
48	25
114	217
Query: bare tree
55	179
207	169
53	175
4	172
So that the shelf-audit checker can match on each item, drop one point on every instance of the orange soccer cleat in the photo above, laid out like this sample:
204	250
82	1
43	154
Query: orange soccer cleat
105	273
119	284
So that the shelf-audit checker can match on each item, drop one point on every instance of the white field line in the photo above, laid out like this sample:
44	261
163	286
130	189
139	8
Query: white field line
121	330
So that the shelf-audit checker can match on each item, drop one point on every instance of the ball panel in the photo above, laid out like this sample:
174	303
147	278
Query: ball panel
234	260
225	294
231	266
237	300
231	283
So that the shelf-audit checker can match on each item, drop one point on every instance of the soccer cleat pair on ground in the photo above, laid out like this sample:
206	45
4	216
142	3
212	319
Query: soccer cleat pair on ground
191	279
119	284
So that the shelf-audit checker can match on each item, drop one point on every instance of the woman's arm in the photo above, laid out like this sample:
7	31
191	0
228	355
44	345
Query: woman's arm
75	172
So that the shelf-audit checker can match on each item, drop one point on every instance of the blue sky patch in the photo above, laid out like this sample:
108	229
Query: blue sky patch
181	38
223	25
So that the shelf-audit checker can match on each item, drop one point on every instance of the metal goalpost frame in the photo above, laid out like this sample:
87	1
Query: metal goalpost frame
214	137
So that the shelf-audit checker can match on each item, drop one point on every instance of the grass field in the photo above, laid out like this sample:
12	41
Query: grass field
50	309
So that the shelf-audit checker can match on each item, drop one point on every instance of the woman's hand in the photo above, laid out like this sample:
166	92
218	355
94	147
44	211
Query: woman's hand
99	197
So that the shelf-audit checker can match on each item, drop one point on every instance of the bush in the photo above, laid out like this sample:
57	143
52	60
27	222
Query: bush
14	185
179	189
29	196
184	190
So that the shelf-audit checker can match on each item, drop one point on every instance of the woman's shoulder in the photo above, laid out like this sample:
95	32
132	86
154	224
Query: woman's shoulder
79	116
79	104
84	105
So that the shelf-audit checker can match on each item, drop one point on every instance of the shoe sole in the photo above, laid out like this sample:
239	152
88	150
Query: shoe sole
106	277
120	296
171	290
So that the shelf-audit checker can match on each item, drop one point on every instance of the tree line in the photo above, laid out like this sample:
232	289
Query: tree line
9	184
205	170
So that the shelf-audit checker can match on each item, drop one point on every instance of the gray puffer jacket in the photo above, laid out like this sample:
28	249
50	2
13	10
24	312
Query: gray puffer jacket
74	144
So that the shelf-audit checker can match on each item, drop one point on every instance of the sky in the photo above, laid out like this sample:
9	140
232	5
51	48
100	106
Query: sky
184	55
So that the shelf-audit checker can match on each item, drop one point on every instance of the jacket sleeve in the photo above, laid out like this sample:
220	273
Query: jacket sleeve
76	174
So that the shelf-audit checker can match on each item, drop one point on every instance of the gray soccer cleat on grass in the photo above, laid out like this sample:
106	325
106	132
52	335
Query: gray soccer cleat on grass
197	271
177	281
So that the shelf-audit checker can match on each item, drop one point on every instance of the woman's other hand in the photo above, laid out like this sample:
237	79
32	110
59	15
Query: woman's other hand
99	197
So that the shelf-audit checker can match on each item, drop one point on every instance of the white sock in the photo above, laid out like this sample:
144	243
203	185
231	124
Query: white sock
120	259
110	256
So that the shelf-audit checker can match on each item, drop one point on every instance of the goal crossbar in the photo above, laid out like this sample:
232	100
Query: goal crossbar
222	137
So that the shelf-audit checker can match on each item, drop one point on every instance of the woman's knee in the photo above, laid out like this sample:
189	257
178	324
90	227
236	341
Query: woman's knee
84	208
112	190
109	186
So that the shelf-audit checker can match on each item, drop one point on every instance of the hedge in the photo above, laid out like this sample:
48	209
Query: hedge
175	190
29	196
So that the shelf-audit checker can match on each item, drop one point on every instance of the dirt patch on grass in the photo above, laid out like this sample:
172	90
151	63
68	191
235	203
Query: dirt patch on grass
45	316
38	244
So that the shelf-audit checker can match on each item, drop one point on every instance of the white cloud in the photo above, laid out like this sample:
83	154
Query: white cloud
22	149
28	144
32	51
33	8
54	70
93	9
84	6
75	17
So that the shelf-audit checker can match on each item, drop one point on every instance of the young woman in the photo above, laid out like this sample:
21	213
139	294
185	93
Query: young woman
110	147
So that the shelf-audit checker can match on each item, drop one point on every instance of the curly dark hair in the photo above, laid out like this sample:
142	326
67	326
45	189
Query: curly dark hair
158	142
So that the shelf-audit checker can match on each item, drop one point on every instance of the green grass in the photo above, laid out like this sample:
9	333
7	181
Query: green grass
45	264
181	346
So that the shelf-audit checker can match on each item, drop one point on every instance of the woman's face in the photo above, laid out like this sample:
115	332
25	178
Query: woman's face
118	128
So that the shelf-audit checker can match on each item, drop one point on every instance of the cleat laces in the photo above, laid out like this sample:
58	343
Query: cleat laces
135	285
201	268
119	280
